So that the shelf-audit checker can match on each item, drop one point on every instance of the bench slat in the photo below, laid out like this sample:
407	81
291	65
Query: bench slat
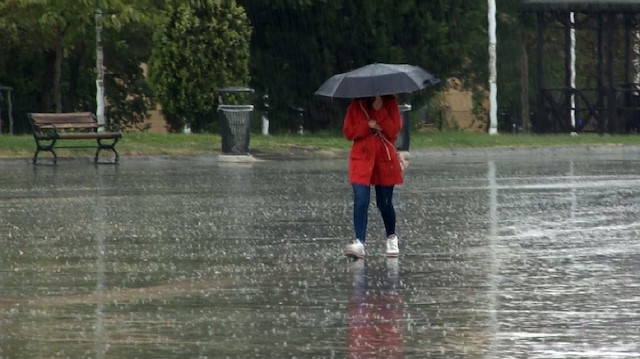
88	135
76	117
66	125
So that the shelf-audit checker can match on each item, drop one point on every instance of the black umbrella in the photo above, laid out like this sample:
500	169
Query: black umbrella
377	79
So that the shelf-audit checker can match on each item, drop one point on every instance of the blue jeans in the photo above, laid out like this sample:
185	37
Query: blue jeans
384	202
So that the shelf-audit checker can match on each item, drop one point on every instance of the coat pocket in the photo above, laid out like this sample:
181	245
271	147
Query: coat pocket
359	153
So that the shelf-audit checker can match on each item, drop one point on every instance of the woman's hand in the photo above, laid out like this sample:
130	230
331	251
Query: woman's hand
377	103
374	125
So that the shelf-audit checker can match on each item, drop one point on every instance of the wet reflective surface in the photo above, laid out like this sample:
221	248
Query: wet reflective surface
525	257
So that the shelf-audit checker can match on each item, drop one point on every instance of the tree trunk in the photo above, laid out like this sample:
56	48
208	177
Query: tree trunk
524	82
47	80
57	74
71	98
75	63
10	110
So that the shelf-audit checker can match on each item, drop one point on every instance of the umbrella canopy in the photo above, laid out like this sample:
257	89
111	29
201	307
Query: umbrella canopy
377	80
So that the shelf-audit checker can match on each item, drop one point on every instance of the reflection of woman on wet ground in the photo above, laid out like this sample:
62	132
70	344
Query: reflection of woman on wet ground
375	316
373	125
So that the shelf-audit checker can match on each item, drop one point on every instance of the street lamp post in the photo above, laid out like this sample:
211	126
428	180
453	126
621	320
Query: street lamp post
99	66
493	88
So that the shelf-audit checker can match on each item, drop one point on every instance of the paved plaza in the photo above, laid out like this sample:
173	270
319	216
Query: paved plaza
504	254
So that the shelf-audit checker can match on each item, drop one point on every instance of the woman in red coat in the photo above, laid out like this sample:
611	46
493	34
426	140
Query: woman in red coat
373	125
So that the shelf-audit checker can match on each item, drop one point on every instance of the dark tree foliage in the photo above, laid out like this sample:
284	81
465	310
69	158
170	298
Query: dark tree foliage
295	45
28	58
199	47
299	44
127	89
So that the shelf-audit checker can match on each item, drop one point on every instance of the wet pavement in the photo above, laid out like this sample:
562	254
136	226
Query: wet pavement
502	256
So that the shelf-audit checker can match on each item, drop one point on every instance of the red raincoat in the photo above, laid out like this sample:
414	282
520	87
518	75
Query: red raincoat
373	159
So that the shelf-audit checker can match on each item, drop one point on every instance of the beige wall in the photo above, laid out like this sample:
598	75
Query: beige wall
156	120
457	111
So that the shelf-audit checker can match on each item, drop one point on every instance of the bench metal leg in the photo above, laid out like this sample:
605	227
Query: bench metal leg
47	144
107	146
34	160
45	147
97	155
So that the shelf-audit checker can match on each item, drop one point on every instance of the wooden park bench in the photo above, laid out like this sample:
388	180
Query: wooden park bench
49	128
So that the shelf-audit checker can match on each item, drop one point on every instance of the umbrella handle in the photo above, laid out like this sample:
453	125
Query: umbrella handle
369	119
384	140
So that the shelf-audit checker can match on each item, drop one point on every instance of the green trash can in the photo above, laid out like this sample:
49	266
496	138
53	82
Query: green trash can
235	120
236	125
402	142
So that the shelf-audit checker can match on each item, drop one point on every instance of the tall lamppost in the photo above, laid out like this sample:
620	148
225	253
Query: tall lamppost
99	65
493	87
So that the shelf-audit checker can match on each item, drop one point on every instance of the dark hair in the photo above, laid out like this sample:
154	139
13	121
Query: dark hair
369	100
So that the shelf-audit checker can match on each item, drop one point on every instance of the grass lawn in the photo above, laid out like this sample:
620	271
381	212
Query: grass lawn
195	144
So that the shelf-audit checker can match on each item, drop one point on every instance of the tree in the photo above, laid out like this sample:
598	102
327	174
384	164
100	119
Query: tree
200	46
127	89
52	49
516	32
47	23
298	44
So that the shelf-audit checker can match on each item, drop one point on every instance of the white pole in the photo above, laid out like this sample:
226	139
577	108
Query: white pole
265	125
572	35
636	59
493	88
265	116
99	67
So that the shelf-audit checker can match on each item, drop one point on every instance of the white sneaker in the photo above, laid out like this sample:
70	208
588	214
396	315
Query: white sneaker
392	246
355	249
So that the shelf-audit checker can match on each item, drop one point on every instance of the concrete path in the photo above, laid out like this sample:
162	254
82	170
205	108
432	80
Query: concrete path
525	254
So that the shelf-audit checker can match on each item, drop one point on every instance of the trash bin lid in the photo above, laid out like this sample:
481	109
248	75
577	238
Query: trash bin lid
235	89
235	108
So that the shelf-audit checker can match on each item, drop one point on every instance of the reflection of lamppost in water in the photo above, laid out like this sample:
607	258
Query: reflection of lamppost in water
99	236
375	319
494	258
572	186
